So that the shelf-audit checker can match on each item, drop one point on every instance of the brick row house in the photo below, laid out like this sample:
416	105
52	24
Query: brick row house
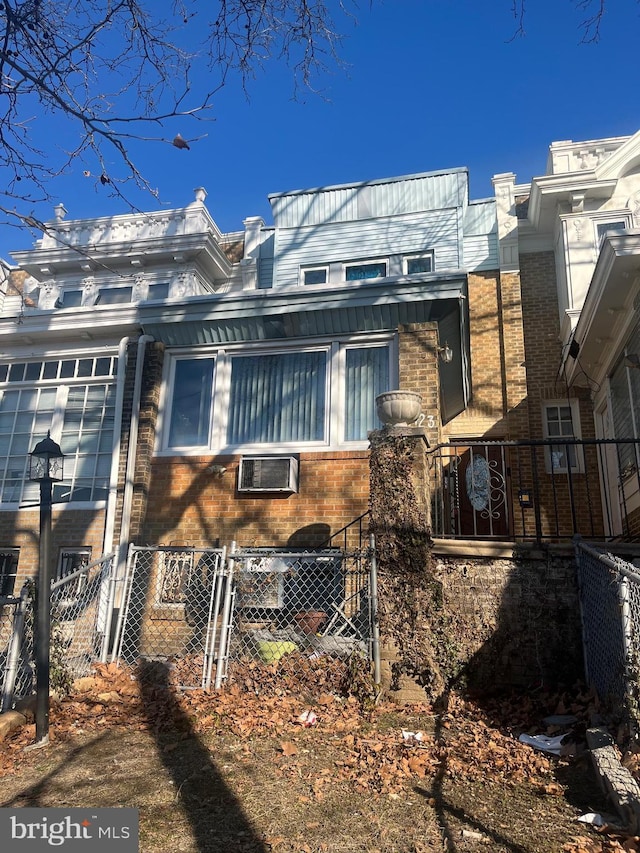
210	387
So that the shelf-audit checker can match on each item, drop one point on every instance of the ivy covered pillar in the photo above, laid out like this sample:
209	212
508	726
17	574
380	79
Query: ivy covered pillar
412	623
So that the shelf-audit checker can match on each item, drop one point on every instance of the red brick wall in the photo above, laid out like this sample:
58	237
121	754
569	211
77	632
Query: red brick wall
543	352
183	502
188	503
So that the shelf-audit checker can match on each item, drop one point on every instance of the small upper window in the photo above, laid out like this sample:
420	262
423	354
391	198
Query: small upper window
359	272
418	263
72	299
604	228
158	291
114	296
314	275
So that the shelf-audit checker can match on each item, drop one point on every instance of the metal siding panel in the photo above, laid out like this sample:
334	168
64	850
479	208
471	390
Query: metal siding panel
480	218
386	198
481	253
341	242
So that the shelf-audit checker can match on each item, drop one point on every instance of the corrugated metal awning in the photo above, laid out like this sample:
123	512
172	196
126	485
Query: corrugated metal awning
258	316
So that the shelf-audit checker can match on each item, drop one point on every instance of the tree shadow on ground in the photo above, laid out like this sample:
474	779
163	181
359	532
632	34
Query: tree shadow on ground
214	813
36	795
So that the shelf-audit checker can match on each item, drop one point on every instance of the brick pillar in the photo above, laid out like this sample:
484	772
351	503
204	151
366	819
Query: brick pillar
409	595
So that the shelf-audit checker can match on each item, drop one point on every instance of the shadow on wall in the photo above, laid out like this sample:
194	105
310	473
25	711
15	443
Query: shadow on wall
310	536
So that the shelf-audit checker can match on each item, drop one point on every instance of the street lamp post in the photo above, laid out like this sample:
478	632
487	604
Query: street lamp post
46	466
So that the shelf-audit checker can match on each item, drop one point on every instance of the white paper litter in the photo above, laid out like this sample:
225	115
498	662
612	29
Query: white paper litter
543	743
412	736
592	818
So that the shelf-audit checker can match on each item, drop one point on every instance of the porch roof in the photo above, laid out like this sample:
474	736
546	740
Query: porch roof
610	306
268	314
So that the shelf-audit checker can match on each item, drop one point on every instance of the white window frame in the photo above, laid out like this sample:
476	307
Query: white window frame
314	268
610	218
334	423
418	257
365	263
574	405
62	386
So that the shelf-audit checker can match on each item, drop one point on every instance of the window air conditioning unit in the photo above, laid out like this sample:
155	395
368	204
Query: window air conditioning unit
268	474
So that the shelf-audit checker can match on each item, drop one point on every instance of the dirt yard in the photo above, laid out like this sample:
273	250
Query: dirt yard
243	771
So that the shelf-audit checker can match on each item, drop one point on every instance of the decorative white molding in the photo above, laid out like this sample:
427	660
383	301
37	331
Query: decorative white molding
504	185
568	156
634	206
140	289
90	291
134	227
182	284
49	295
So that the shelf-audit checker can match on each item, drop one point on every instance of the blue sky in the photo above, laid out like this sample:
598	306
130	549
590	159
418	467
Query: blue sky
429	84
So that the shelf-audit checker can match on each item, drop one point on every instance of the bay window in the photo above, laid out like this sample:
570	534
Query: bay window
75	400
318	396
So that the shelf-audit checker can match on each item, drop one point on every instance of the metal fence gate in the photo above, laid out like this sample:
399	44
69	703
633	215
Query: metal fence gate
202	610
610	608
313	601
172	609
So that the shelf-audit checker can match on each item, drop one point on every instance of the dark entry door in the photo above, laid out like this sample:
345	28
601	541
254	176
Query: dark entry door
478	488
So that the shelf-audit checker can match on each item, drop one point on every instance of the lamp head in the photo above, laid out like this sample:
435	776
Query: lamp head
46	461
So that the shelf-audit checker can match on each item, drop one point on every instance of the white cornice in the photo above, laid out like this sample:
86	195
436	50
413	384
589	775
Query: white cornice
549	190
609	302
626	157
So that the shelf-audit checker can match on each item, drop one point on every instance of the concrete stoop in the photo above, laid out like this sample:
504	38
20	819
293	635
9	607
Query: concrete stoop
617	782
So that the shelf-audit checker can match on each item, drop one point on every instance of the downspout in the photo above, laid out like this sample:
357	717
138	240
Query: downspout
120	556
110	520
129	475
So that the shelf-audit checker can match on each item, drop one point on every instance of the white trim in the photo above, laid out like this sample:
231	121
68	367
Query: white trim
574	405
420	256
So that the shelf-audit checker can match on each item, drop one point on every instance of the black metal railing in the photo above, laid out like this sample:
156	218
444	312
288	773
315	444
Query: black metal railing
536	490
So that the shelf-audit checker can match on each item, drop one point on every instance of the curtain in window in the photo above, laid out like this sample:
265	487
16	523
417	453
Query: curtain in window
367	375
191	404
279	397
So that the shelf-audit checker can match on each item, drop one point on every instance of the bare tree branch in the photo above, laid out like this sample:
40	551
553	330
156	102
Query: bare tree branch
116	69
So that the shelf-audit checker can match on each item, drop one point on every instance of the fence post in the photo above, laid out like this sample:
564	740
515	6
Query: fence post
17	631
226	616
375	626
111	601
627	632
212	625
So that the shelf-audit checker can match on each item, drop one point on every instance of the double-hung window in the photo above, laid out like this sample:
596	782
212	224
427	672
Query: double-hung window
561	422
316	396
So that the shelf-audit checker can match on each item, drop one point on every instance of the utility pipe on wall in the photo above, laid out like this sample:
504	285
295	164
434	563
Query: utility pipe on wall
125	526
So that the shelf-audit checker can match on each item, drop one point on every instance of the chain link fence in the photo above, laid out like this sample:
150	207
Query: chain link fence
17	668
610	609
80	624
198	610
172	610
314	602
